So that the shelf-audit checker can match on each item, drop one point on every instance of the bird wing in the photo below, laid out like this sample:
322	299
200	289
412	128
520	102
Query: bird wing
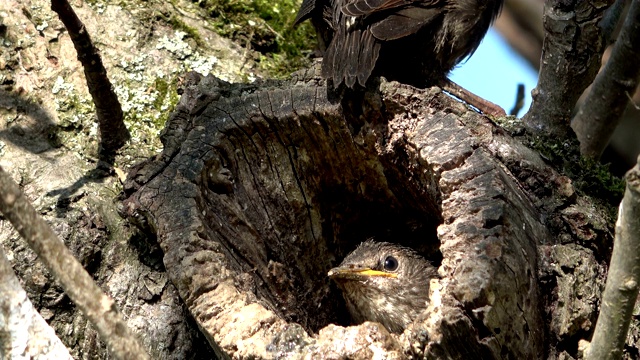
401	18
404	22
305	11
368	7
361	25
351	57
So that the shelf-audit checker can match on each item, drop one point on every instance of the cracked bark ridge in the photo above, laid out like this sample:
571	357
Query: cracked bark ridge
262	188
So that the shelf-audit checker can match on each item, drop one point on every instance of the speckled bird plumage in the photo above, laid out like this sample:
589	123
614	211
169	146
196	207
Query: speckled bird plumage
412	41
392	301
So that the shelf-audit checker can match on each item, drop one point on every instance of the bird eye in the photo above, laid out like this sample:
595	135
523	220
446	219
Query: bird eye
390	263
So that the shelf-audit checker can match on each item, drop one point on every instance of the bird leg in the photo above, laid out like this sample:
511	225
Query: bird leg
485	106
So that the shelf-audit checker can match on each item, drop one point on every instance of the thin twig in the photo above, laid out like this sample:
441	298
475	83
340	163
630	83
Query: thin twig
519	104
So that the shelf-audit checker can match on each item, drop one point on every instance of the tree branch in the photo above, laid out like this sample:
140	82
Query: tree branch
571	56
113	132
615	84
77	283
621	290
520	23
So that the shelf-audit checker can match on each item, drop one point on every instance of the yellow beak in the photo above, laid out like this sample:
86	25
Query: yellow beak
355	273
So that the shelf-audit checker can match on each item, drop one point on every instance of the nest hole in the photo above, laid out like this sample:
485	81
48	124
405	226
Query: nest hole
287	243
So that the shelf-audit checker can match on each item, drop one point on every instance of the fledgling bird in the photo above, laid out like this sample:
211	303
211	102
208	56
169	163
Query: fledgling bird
385	283
415	42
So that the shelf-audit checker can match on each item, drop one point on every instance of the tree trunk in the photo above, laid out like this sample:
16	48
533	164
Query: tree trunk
261	189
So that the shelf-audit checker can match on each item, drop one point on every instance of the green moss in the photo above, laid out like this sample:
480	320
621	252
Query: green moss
266	27
162	87
165	101
73	116
510	123
178	24
596	179
589	176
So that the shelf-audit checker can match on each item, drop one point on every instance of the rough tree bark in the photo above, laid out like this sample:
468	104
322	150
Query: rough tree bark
571	56
24	332
78	284
261	189
376	188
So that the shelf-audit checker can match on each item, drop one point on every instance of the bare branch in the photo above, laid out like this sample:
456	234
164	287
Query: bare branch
521	26
77	283
113	131
615	84
621	291
519	103
571	56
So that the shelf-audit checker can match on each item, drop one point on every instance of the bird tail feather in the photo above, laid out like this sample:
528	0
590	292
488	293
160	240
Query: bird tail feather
351	57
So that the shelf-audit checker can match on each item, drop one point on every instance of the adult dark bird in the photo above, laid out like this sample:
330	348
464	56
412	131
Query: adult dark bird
415	42
385	283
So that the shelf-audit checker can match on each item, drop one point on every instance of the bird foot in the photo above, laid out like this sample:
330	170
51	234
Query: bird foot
485	106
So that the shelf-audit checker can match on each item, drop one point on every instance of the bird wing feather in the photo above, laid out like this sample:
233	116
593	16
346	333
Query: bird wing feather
404	22
368	56
305	11
351	59
350	55
368	7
